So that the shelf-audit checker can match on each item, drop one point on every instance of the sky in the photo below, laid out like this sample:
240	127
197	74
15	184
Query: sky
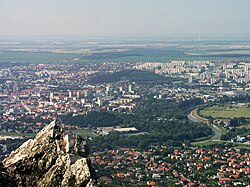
124	17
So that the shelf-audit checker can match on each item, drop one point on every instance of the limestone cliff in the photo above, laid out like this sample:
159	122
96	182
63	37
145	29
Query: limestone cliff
53	158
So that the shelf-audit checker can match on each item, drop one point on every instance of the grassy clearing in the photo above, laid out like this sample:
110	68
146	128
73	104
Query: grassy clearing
209	143
225	112
84	133
16	134
205	143
222	129
242	146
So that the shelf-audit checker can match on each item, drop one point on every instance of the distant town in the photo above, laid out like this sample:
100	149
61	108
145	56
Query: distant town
45	90
125	93
33	95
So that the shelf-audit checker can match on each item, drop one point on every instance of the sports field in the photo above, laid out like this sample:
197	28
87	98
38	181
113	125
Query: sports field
225	112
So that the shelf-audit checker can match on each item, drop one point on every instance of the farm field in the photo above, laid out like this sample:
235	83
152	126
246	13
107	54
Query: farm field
225	112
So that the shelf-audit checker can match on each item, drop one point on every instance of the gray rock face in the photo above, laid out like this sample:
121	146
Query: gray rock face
53	158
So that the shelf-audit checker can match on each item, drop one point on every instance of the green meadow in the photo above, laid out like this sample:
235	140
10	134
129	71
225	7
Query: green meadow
225	112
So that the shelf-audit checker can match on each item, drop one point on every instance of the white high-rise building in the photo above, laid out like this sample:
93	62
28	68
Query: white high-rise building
108	88
70	94
78	94
120	89
190	79
129	88
51	95
99	101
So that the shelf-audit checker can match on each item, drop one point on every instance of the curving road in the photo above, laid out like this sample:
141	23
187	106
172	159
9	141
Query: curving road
217	133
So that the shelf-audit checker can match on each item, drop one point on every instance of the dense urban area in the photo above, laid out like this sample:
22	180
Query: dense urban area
177	123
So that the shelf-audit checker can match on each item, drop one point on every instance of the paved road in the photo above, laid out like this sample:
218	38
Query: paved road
193	119
217	133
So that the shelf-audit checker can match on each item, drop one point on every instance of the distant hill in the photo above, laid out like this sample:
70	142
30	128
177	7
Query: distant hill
130	75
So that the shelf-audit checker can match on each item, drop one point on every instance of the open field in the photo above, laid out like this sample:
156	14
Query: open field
84	133
205	143
236	52
225	112
16	134
220	52
215	142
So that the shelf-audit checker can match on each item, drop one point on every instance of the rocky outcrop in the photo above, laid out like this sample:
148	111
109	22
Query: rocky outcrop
53	158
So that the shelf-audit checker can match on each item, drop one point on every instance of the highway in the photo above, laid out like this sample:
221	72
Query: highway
217	133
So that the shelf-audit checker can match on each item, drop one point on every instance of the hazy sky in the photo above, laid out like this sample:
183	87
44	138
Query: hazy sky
124	17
